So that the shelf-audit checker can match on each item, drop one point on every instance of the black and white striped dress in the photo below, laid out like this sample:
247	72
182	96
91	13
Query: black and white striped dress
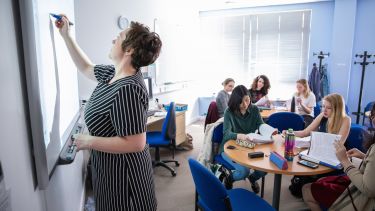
120	181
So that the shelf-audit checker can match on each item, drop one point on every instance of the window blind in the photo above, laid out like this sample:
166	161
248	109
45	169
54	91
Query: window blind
242	47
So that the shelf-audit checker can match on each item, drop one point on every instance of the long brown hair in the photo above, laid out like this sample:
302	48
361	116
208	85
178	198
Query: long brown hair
338	112
265	87
304	83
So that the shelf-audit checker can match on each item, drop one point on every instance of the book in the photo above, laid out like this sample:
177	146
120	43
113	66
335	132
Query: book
322	150
264	136
303	142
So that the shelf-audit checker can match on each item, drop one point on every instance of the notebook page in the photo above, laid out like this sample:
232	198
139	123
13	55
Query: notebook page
322	147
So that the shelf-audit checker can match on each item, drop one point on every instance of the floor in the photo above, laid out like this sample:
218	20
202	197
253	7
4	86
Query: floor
177	193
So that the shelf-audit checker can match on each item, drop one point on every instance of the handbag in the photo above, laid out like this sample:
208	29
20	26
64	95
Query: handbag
328	189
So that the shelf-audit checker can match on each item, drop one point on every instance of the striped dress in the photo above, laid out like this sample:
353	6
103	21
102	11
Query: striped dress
120	181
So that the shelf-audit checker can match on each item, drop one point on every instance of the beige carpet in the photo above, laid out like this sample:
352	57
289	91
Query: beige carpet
177	193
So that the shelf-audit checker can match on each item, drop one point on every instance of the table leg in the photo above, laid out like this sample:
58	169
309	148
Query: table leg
276	191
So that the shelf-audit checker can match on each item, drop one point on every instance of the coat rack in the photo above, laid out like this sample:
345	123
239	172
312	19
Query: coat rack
364	63
321	56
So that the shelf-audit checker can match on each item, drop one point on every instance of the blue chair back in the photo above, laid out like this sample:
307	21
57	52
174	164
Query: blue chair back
170	121
355	138
368	108
217	136
285	120
211	192
317	110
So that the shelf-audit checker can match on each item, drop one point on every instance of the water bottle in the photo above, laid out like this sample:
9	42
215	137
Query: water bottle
289	145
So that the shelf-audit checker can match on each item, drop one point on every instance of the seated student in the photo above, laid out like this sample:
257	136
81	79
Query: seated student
332	119
304	102
223	96
241	118
336	195
259	90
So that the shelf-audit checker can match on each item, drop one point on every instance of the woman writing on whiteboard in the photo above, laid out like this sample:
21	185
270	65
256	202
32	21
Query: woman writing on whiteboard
116	118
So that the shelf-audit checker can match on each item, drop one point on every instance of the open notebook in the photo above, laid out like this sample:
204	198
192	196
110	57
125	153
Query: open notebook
264	136
322	150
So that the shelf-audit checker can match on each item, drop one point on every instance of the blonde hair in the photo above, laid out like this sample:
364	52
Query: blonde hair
338	112
304	83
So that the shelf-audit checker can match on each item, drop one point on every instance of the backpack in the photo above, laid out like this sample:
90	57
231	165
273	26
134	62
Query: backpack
297	182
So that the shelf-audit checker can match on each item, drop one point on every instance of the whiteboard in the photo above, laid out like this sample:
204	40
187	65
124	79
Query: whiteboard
52	83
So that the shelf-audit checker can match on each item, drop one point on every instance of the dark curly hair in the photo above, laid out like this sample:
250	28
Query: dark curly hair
146	45
266	86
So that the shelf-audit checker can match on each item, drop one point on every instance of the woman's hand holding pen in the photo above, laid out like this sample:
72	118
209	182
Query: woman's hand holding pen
63	26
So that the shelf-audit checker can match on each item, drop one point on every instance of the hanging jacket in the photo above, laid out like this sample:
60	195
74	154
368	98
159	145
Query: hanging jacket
324	85
212	114
314	82
205	154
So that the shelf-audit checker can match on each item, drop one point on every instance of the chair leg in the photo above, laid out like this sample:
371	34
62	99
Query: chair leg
196	200
171	161
262	188
158	162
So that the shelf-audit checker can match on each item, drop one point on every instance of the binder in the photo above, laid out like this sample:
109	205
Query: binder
304	156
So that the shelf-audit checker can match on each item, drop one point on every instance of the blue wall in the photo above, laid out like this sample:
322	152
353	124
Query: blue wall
364	40
342	46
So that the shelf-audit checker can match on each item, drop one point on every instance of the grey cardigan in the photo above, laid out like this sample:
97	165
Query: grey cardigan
222	102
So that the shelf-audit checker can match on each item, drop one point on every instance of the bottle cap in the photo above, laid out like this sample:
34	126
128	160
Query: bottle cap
290	130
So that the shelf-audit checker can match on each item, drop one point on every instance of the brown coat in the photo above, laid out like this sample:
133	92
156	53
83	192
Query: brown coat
362	187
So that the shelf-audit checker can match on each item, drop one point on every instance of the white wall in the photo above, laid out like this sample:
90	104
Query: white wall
95	33
66	188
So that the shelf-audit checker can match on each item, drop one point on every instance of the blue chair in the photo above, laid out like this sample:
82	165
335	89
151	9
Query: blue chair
235	171
355	137
165	138
212	195
317	110
368	108
285	120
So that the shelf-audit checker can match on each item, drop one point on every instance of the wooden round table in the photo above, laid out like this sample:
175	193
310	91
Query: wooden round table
240	155
265	114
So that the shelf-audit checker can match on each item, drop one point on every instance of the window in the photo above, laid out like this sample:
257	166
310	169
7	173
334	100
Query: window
242	47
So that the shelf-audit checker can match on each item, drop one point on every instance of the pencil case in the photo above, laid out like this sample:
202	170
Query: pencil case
279	160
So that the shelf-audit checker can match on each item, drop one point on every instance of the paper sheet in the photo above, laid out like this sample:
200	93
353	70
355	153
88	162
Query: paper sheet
265	135
322	147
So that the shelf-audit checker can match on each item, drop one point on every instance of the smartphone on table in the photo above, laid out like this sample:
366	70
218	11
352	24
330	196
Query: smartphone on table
308	164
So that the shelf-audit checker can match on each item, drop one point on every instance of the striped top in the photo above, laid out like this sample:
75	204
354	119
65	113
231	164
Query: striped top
120	181
119	108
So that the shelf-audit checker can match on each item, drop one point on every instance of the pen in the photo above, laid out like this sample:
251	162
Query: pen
59	17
